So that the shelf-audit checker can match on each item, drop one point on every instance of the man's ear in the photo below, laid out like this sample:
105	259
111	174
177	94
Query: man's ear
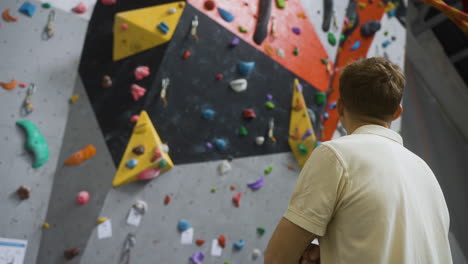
397	113
340	107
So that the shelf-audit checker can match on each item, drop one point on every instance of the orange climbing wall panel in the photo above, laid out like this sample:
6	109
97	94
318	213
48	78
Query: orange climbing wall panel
307	65
346	56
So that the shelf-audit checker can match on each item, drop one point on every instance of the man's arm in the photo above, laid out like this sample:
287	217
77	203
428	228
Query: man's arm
287	243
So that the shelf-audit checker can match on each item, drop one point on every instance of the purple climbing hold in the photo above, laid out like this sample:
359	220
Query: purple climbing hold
225	15
307	134
208	145
296	30
257	184
299	87
269	97
234	42
356	45
197	257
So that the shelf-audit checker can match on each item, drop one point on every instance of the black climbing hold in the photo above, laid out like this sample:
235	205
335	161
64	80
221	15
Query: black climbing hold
368	29
327	14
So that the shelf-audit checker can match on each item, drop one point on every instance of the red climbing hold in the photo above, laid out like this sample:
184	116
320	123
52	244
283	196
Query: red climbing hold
209	5
22	85
222	241
134	118
187	54
167	199
82	197
219	76
199	242
137	91
248	114
236	199
157	154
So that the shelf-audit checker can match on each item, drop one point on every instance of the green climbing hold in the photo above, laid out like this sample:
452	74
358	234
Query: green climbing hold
317	143
385	33
243	29
324	61
331	39
227	262
296	51
243	131
46	5
213	190
270	105
342	38
261	230
35	142
269	169
320	98
281	4
302	149
162	164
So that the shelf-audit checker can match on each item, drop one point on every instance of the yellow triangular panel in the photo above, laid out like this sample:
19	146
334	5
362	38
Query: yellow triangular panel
141	32
144	134
299	126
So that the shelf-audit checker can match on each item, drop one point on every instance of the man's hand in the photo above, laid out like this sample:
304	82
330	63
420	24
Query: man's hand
311	255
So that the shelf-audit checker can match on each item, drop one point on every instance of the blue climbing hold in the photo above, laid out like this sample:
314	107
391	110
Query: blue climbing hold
326	115
391	13
245	67
208	114
239	245
131	163
356	45
220	144
27	9
163	27
386	43
226	15
162	164
183	225
332	105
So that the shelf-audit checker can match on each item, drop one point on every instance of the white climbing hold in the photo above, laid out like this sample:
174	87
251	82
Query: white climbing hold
256	253
172	10
239	85
259	140
224	167
141	206
165	148
281	53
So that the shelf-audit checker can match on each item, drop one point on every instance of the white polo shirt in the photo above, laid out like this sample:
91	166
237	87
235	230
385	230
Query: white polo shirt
371	201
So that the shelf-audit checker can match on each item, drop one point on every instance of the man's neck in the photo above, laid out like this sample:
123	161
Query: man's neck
357	123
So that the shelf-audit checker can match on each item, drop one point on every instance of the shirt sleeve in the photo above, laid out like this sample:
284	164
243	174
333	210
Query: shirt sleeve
315	196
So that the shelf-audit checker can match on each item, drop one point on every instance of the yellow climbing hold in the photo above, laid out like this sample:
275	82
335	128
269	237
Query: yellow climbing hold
74	98
143	134
45	225
362	5
140	31
302	138
101	220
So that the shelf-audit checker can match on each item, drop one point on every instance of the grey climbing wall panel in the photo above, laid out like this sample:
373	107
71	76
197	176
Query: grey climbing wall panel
52	66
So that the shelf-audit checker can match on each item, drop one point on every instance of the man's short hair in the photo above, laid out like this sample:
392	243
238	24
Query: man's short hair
372	87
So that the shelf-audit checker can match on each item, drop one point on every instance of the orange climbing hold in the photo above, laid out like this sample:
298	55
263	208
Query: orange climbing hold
233	187
222	241
81	156
167	199
10	85
199	242
8	17
236	199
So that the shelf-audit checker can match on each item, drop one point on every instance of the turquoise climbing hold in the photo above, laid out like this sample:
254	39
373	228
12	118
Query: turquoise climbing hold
183	225
356	45
208	114
131	163
35	142
162	164
239	245
245	67
226	15
220	144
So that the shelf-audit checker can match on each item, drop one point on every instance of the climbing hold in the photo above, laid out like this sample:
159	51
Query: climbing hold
324	61
10	85
199	242
219	76
232	187
281	53
22	85
326	115
331	38
149	174
23	192
139	150
239	85
80	8
124	27
183	225
307	134
362	5
82	197
224	167
163	27
270	105
74	98
46	225
213	190
393	38
27	9
236	199
332	106
222	241
269	169
220	144
140	206
227	262
248	114
243	131
296	30
71	253
141	72
234	42
82	155
342	38
172	10
256	253
108	2
320	98
296	51
291	167
35	142
101	220
137	91
106	81
187	54
239	245
167	199
369	28
256	184
245	67
269	97
131	163
386	43
197	257
385	33
242	29
225	15
208	145
8	17
259	140
261	230
165	148
208	114
281	4
302	149
46	5
356	45
209	5
162	164
134	118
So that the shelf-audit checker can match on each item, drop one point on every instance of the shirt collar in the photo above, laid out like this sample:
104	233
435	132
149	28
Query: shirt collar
380	131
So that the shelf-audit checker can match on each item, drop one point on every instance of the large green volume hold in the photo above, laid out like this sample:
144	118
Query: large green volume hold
35	142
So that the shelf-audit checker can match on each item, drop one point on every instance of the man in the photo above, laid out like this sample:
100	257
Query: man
366	198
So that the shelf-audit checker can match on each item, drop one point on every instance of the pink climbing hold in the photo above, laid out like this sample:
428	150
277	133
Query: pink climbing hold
142	72
124	26
82	197
108	2
134	118
149	174
137	91
157	154
23	85
80	8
